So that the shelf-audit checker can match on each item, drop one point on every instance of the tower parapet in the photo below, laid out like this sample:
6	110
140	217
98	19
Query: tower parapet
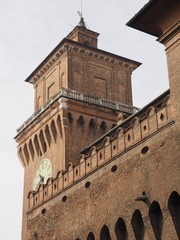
134	131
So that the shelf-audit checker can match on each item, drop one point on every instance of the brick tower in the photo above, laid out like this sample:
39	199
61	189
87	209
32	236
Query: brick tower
94	167
80	93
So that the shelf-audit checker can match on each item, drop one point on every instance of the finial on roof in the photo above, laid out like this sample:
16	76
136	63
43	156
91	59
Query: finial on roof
81	22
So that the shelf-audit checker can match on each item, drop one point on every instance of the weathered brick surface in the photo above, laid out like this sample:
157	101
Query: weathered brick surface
112	195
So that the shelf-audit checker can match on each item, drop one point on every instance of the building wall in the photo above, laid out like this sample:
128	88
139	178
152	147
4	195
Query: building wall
111	195
113	176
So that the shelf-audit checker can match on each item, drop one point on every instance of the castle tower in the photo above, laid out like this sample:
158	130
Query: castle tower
79	93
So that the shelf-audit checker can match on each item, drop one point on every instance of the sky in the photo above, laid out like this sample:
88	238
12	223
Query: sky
29	30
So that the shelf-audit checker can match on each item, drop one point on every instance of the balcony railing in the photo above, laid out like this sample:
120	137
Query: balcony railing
68	93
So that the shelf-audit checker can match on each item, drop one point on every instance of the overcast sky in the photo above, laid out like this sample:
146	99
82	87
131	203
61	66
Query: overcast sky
29	30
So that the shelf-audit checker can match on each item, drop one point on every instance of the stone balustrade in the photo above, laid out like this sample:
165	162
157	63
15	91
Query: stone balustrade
77	96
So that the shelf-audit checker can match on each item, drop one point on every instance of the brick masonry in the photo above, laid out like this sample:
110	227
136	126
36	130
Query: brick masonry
115	172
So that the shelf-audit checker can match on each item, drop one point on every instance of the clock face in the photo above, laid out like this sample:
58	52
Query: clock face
43	172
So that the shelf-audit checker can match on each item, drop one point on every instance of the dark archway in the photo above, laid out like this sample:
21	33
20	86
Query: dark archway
174	208
104	234
120	230
90	236
156	218
138	225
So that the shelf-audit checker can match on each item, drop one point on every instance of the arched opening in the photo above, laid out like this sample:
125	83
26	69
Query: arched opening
37	147
90	236
54	131
138	225
31	149
103	128
70	118
21	156
92	123
120	230
80	124
156	218
92	129
104	234
42	140
174	208
59	124
48	135
26	153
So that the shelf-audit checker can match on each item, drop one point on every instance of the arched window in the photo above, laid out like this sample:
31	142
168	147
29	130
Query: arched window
120	230
104	234
174	208
80	123
156	218
90	236
103	128
92	123
138	225
70	118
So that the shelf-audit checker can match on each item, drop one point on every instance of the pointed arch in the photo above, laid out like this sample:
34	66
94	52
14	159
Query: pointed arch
92	123
120	230
156	218
138	225
80	121
31	149
37	147
174	208
59	124
43	142
103	128
21	156
90	236
104	234
54	130
70	118
26	153
48	135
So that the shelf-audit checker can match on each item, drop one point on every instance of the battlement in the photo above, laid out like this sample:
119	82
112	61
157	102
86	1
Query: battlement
137	128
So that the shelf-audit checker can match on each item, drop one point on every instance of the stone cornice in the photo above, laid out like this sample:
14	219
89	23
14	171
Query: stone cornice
68	45
165	37
71	94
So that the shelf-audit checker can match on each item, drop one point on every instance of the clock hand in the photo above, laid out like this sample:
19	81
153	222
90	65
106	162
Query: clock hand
41	181
41	178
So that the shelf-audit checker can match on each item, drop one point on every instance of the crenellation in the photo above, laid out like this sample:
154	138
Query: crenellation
109	148
138	129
